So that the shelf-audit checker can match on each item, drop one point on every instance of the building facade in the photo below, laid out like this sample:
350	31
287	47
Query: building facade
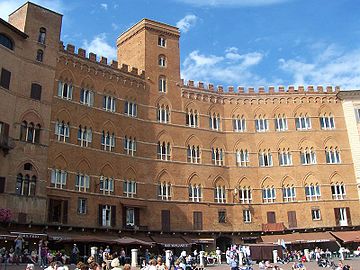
128	146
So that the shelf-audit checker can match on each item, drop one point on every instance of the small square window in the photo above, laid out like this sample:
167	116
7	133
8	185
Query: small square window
35	91
82	206
222	216
5	78
162	42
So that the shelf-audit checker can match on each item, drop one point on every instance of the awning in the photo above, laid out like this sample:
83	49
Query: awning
170	241
7	237
348	236
132	241
202	240
134	203
30	235
297	238
85	238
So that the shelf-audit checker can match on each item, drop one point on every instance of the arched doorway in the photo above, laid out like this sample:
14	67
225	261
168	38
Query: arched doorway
223	242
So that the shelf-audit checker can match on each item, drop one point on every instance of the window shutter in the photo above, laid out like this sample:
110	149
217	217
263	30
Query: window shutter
5	78
113	216
2	184
337	216
100	214
50	210
91	98
292	219
271	217
348	216
137	216
60	86
65	212
70	91
165	220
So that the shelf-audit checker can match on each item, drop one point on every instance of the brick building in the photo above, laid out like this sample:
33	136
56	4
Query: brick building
127	147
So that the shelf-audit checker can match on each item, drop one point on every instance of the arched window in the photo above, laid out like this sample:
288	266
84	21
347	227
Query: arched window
162	84
29	132
6	41
162	61
42	35
26	185
39	55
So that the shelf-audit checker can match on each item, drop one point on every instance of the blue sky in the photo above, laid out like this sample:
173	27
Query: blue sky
231	42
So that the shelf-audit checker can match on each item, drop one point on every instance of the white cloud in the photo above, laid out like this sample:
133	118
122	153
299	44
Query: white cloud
332	66
104	6
187	22
99	46
114	26
215	3
8	6
233	68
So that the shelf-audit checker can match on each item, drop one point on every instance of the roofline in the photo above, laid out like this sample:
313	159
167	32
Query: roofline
348	93
13	28
174	28
28	2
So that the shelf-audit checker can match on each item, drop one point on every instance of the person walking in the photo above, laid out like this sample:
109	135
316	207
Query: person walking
75	254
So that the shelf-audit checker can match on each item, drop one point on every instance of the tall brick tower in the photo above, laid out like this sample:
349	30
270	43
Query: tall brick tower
154	47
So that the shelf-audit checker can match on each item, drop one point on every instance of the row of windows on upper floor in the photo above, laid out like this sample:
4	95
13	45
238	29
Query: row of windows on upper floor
164	149
302	122
165	190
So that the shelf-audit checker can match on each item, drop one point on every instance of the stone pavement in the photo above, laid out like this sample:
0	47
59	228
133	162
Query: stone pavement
354	263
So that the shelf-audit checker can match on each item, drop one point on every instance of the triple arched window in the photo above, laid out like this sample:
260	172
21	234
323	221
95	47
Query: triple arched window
239	123
84	136
29	132
217	156
163	151
192	118
62	131
163	113
195	193
107	141
164	191
242	158
214	121
332	155
26	181
193	154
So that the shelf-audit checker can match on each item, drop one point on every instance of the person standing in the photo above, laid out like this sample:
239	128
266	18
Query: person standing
218	255
75	254
122	256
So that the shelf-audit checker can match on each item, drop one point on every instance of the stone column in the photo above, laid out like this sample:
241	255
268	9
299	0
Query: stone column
134	257
275	255
167	258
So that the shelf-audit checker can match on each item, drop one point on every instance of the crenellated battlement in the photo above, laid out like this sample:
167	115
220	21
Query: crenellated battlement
210	88
103	60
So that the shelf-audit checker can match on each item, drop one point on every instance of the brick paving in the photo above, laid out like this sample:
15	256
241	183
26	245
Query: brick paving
354	263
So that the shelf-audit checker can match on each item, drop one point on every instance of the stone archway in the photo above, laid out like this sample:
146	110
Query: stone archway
223	242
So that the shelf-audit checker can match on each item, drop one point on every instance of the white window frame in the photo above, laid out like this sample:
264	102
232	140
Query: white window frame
62	131
265	159
269	194
58	178
107	141
162	61
86	97
109	103
163	114
130	108
130	188
164	151
130	216
289	194
245	195
285	157
82	206
162	84
218	156
106	185
303	122
308	156
82	182
220	194
195	193
106	216
338	191
130	145
162	42
192	118
164	191
84	136
327	122
343	219
315	214
215	121
246	215
332	155
312	192
261	124
281	123
242	158
193	154
239	124
65	90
